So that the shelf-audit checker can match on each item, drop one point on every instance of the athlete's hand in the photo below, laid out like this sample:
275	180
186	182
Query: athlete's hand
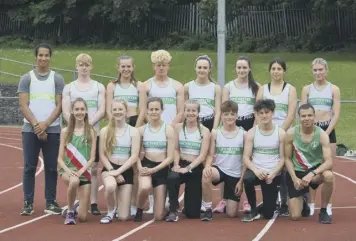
239	188
120	179
147	171
40	127
307	179
208	172
298	184
270	178
176	168
261	174
42	136
72	173
183	170
80	172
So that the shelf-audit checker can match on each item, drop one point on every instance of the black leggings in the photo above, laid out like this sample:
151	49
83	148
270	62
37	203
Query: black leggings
192	192
269	193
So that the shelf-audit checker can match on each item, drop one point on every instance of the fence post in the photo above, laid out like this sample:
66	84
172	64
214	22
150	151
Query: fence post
285	20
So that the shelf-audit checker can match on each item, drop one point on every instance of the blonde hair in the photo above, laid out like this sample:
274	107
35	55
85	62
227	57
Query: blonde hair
110	134
161	56
83	58
321	61
87	127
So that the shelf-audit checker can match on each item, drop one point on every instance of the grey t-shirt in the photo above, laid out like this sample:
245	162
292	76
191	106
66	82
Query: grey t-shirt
24	87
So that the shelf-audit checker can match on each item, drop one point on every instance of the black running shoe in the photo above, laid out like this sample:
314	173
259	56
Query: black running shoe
207	216
253	215
283	211
94	209
324	218
27	209
139	215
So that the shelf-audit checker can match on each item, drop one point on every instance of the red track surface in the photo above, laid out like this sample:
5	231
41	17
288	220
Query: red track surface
42	227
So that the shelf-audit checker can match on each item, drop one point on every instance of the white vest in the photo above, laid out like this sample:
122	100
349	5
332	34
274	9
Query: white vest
229	153
42	98
243	97
281	101
130	94
265	153
321	99
190	142
155	141
122	150
205	95
169	97
91	97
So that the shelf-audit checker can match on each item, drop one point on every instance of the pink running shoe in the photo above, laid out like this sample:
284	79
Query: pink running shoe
220	207
247	207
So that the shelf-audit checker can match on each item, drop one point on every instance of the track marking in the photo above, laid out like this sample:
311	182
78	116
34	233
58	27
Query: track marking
35	219
122	237
345	207
6	138
347	158
18	185
345	177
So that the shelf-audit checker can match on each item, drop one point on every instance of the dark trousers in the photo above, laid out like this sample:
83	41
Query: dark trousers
31	149
192	192
283	188
269	193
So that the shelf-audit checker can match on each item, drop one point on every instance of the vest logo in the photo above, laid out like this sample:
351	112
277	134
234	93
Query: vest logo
314	145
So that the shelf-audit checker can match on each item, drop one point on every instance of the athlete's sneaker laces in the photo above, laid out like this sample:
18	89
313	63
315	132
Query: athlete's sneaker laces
220	207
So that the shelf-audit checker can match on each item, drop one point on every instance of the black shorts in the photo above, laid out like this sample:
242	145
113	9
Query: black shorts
82	183
246	122
158	178
290	185
128	174
325	125
97	150
229	185
133	120
208	121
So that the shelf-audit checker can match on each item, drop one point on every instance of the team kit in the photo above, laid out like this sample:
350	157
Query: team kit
159	134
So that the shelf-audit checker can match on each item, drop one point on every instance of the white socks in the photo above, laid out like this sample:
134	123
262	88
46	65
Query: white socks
328	209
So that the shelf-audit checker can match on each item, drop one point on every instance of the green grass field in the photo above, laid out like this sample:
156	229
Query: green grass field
342	71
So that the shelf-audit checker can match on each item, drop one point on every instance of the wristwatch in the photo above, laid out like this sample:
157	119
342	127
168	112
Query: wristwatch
313	173
189	168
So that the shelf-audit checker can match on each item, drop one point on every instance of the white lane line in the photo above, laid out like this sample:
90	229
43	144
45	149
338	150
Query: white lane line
33	220
142	226
18	185
6	138
345	177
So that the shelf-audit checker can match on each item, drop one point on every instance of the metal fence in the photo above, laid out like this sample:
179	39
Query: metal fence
288	20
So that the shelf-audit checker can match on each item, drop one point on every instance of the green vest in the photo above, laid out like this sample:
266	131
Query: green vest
306	155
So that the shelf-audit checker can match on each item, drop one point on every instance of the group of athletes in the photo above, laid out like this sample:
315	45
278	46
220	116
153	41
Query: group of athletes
160	134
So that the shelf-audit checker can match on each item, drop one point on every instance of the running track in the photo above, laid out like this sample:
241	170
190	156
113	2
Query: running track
43	227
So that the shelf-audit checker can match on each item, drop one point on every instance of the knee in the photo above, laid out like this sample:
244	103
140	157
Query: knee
123	217
74	182
82	217
30	169
295	217
328	177
159	216
144	189
110	188
206	181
